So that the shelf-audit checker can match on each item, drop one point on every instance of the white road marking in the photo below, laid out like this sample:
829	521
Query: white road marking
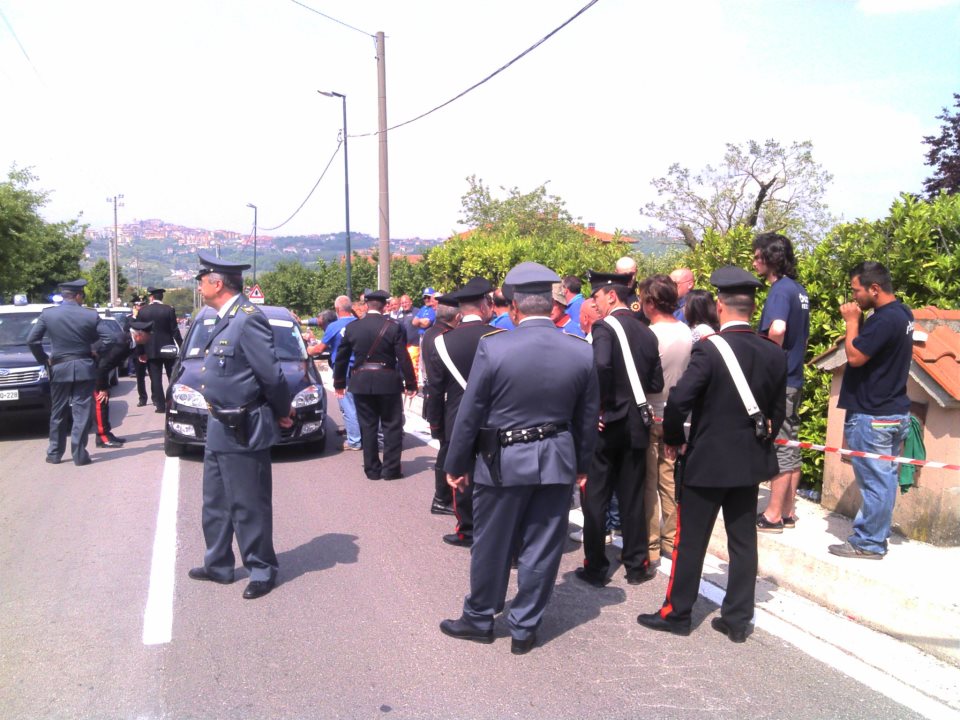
158	616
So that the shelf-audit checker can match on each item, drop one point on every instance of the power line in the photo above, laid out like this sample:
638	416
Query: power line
17	40
328	17
491	75
316	184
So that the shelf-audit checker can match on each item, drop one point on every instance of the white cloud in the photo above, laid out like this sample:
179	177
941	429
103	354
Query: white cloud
890	7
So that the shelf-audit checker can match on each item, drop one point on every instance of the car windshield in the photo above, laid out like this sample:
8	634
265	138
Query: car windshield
286	338
14	327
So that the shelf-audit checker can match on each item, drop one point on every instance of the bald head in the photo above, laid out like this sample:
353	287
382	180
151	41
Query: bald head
683	277
626	265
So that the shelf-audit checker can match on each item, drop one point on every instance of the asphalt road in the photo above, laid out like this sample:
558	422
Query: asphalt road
351	630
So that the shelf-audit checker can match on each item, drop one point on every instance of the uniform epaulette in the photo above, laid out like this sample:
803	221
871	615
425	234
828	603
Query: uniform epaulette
248	309
495	331
577	337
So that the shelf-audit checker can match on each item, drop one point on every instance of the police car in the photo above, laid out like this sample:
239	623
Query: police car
186	417
24	383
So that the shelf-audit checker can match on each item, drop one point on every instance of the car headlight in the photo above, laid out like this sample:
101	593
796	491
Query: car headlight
306	397
188	397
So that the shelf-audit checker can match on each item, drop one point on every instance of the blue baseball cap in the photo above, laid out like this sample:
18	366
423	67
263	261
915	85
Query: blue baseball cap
428	292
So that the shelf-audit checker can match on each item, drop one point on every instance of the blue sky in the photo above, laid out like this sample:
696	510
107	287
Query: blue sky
194	108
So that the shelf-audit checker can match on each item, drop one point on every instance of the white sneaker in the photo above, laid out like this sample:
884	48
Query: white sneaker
577	536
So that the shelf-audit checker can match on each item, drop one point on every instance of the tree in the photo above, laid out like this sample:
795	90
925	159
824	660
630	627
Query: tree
944	154
763	187
98	282
35	255
529	213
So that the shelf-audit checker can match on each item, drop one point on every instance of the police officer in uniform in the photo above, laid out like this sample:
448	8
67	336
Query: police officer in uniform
728	454
140	359
73	331
534	443
449	366
247	398
378	345
166	331
110	357
619	463
448	315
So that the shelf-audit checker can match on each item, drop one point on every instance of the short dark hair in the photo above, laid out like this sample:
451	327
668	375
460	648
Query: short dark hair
375	304
499	300
232	282
743	303
661	290
701	309
533	303
777	253
327	317
572	283
872	273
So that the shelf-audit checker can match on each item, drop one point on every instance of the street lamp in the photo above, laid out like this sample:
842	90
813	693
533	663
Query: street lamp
346	179
251	205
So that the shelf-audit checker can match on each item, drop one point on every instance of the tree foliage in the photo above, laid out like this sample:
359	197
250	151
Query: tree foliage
944	154
761	186
98	283
35	255
531	213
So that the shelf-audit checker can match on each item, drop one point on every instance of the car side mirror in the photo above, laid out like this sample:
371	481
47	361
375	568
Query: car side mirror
169	352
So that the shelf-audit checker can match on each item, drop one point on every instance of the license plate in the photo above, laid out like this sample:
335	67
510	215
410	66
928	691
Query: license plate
9	394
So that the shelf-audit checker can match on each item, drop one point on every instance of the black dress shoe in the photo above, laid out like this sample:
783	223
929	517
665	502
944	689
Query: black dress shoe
257	588
441	508
590	578
455	539
464	631
522	647
141	403
160	410
654	621
116	439
397	476
737	635
645	575
83	461
53	460
108	444
201	573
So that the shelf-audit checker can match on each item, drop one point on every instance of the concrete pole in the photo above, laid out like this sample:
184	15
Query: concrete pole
384	283
114	255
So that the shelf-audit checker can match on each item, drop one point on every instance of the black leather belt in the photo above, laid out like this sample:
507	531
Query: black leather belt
532	434
373	366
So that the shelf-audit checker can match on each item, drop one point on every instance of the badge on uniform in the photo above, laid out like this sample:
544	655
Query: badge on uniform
224	342
248	309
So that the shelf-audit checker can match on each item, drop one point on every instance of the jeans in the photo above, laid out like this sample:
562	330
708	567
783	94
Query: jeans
877	479
349	410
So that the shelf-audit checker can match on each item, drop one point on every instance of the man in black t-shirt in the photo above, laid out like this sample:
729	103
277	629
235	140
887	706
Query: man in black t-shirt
874	394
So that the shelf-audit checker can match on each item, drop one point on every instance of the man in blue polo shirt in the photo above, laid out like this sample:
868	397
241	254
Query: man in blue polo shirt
785	320
331	339
874	394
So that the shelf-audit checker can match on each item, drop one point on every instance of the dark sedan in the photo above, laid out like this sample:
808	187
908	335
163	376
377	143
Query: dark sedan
186	418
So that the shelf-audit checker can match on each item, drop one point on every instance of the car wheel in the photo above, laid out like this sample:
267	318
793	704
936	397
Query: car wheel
172	448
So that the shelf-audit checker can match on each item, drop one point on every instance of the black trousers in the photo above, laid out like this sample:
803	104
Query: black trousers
617	467
441	491
156	368
386	411
697	512
141	371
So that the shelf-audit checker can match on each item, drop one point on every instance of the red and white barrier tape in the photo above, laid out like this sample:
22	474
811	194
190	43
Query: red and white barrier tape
871	456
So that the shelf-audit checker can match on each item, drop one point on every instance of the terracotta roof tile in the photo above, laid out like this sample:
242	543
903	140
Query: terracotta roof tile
933	313
939	356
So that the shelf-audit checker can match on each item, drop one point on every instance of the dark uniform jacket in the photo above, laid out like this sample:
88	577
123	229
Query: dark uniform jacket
427	349
111	354
241	369
166	331
443	391
524	378
617	400
73	331
723	450
375	360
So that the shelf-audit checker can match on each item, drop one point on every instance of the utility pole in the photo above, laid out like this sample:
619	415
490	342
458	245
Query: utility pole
384	283
251	205
113	253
